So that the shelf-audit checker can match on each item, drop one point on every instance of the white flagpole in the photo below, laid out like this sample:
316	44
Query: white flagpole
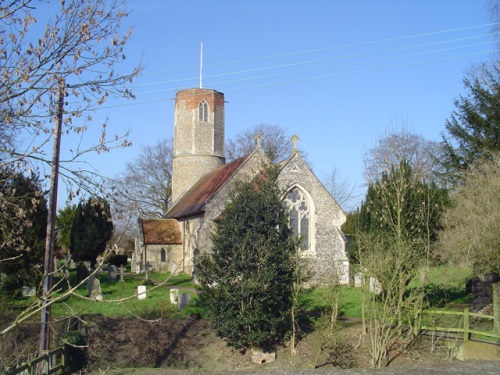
201	65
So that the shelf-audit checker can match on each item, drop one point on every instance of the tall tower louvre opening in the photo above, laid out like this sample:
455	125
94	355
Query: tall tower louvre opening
198	137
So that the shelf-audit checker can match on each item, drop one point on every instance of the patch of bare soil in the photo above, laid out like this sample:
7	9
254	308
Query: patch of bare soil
179	345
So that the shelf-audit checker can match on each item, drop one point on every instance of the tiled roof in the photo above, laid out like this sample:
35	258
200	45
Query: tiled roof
161	231
195	199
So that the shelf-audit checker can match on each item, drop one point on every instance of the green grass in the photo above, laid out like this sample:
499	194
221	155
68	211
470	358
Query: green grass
350	301
120	300
446	288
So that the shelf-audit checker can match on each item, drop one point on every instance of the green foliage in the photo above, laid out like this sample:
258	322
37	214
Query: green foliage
64	222
92	228
402	206
247	281
74	343
471	233
474	127
23	230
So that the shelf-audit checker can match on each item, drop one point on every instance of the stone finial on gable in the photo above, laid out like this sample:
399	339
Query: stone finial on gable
258	140
295	139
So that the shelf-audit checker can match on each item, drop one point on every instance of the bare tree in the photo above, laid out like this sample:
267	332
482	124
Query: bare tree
341	190
471	234
144	188
80	46
75	56
398	143
276	143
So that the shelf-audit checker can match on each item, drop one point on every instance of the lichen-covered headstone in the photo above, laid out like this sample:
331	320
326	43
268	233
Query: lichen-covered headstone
28	291
174	296
94	288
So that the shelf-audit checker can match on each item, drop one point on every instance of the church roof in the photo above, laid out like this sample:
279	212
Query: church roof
161	231
196	198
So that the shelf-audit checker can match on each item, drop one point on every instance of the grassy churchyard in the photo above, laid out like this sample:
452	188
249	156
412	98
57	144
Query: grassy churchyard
445	287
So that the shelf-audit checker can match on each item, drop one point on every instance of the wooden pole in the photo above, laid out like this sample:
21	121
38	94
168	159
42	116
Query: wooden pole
51	220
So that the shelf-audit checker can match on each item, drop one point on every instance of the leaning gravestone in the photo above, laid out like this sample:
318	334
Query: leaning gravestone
94	288
112	272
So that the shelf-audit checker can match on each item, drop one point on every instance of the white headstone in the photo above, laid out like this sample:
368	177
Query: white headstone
28	291
173	269
141	291
174	296
358	280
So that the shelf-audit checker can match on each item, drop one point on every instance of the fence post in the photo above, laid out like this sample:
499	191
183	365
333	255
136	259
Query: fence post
496	307
466	324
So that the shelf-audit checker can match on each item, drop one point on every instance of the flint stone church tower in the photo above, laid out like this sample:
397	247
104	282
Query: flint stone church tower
201	182
198	137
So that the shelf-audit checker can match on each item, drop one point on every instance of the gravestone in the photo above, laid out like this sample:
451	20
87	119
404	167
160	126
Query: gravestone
112	272
358	280
174	296
121	274
28	291
375	285
94	288
184	299
173	269
141	291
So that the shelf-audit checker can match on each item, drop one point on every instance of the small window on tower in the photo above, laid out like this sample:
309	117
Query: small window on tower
203	111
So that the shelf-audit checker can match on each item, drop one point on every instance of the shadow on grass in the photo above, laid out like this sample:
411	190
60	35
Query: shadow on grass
439	296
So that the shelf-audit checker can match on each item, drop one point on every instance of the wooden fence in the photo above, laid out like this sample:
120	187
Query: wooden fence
53	362
466	330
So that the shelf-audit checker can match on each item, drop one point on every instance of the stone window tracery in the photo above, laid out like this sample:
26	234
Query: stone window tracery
203	111
299	211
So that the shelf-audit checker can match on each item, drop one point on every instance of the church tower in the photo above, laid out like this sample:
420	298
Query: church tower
198	137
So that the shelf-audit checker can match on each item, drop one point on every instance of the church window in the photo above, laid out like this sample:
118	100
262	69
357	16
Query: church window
163	255
299	215
203	111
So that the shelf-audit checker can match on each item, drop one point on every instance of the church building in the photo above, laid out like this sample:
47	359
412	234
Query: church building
201	181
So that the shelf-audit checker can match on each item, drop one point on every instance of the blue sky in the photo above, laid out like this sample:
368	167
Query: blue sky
336	73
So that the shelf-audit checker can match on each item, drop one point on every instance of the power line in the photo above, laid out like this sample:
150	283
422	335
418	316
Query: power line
327	67
305	78
332	48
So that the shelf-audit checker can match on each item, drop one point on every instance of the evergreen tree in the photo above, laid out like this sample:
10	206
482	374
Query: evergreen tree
474	127
91	230
64	222
247	281
402	206
23	229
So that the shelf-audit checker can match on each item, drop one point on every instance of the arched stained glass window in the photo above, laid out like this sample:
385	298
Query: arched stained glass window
163	255
203	111
299	215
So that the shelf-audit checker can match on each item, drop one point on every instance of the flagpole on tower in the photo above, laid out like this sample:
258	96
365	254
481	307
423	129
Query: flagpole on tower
201	65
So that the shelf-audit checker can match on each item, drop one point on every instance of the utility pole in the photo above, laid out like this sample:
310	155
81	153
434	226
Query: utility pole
51	221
